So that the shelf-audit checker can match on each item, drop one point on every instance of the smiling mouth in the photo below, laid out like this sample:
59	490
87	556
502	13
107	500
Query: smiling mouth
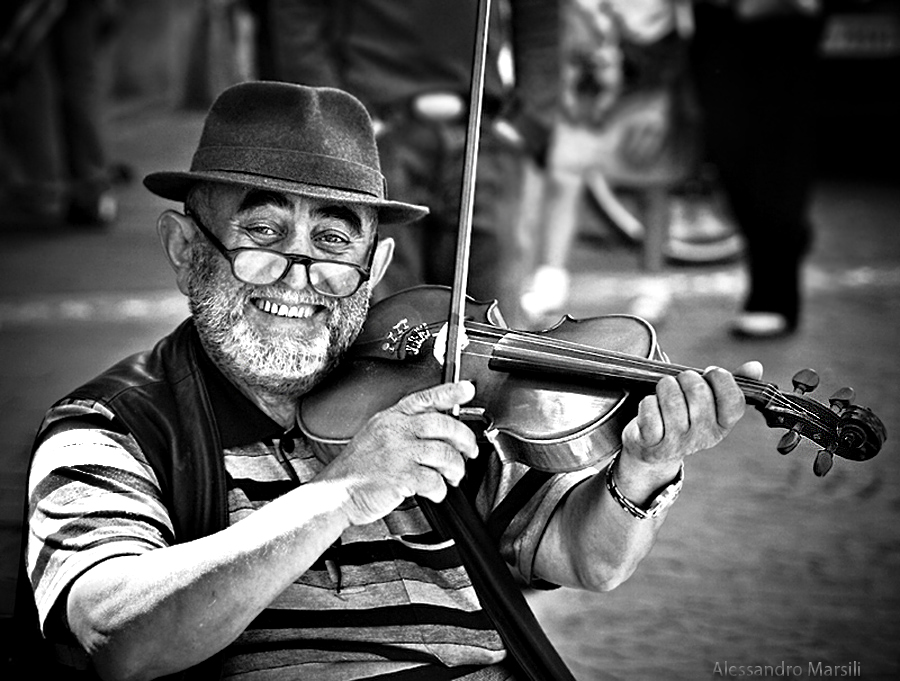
304	311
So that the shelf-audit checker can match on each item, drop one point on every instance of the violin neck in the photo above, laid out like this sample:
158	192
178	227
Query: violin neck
574	362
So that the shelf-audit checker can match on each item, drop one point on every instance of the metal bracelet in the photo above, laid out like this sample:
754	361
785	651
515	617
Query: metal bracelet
661	501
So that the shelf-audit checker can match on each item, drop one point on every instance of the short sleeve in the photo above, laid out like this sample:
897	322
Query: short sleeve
530	507
92	496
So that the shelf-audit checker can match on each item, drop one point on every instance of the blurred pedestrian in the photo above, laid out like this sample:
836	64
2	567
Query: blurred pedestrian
411	63
629	125
50	84
753	63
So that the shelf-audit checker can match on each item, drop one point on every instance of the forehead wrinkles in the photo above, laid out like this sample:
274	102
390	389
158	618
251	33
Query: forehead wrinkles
223	202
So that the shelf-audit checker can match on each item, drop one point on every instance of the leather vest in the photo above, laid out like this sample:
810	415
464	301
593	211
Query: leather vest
158	396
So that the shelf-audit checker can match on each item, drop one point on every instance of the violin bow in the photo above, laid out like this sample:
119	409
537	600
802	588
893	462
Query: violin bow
455	329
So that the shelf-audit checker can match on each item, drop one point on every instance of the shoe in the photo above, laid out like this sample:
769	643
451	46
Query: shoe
547	292
699	233
652	302
761	325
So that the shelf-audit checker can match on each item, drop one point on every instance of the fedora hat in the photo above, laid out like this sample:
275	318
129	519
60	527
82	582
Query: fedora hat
316	142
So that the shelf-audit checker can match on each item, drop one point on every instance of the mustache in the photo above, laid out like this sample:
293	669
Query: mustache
286	295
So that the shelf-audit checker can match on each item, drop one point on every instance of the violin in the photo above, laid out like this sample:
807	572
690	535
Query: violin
558	399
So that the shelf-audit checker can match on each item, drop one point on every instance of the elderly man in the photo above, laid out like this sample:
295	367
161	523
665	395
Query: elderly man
180	520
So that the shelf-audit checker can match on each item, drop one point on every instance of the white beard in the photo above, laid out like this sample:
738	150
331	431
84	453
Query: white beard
279	364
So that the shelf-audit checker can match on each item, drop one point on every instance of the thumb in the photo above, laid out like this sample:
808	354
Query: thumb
439	398
751	369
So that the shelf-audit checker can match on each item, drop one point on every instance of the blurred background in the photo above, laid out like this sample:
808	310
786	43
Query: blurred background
760	563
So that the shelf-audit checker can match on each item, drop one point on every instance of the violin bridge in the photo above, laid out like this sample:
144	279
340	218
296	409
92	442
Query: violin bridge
440	343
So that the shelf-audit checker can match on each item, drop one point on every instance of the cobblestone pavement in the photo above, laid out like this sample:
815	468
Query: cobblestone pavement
760	563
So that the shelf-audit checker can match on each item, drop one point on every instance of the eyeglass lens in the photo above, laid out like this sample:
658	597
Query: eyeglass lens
266	267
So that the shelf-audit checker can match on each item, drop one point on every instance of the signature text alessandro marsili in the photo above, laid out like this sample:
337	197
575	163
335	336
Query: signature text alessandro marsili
784	670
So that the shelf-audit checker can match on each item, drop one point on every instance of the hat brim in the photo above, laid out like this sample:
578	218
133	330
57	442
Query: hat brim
175	185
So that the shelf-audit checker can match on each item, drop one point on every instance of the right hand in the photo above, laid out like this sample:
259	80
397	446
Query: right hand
412	448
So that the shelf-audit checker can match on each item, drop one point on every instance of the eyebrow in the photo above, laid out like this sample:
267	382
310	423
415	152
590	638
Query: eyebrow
257	198
342	213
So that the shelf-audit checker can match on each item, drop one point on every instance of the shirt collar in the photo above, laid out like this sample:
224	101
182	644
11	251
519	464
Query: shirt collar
239	420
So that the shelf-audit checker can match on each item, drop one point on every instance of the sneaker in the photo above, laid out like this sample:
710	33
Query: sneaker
700	234
761	325
652	302
547	292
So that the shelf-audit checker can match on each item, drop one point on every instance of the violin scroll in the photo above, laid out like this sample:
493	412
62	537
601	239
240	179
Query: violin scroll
843	429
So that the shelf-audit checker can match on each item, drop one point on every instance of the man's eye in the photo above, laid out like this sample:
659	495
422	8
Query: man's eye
261	230
332	240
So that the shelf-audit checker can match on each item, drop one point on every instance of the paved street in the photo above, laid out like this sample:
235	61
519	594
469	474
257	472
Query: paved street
760	562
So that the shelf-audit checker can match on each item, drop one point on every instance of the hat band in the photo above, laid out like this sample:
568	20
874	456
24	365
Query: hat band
292	166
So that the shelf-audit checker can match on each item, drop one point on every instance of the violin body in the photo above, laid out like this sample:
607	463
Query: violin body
552	421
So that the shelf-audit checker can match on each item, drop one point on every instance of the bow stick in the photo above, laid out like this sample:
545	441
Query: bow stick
453	354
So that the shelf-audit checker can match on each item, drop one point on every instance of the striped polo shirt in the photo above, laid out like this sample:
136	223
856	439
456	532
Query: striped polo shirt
389	600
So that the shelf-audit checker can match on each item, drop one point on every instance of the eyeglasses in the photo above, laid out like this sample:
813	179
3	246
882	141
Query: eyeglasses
263	266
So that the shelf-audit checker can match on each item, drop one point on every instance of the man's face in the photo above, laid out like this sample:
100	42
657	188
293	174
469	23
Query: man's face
279	338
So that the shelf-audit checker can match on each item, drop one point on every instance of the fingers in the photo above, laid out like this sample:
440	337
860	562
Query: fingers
690	411
430	425
730	401
439	398
434	427
432	486
442	459
680	402
649	422
413	448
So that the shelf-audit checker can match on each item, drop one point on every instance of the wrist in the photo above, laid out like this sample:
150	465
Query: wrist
640	478
645	491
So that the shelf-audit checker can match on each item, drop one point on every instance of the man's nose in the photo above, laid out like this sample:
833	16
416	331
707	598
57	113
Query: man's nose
297	277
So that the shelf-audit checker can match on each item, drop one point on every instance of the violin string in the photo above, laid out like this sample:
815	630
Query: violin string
765	392
622	360
540	341
538	346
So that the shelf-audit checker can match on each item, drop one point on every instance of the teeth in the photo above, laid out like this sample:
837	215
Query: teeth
293	311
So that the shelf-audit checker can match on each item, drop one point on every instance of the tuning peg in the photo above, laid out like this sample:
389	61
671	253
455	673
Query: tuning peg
823	463
842	399
788	442
805	380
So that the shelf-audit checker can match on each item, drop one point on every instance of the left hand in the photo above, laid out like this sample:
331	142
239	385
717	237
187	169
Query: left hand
687	414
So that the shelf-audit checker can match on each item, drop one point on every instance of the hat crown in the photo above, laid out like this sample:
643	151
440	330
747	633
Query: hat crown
317	142
269	115
320	136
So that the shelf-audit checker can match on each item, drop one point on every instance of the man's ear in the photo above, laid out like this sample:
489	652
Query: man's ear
384	253
176	231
